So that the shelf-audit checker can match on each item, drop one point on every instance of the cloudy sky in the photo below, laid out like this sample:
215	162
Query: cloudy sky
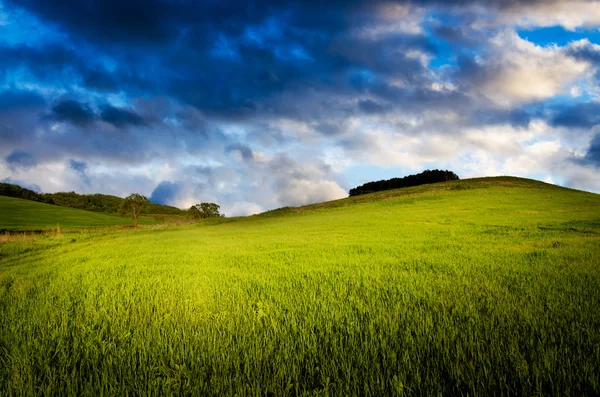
259	104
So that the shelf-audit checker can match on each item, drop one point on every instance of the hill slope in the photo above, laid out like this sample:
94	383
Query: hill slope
18	213
476	287
90	202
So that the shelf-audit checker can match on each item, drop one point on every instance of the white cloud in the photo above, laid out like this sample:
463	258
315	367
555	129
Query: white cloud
568	13
520	71
307	191
393	19
242	208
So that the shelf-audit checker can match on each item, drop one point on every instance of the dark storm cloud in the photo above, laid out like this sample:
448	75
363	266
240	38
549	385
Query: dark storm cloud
372	107
78	113
580	115
234	60
44	63
14	100
245	151
593	153
80	167
142	22
228	59
129	144
585	52
20	159
515	117
165	192
329	128
470	74
62	65
137	21
120	117
449	33
66	65
72	111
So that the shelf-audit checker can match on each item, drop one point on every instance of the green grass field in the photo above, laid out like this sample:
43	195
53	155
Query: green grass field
17	214
476	287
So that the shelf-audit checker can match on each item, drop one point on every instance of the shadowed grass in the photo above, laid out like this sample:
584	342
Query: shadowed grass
475	287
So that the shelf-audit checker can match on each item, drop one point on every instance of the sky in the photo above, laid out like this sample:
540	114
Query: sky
257	105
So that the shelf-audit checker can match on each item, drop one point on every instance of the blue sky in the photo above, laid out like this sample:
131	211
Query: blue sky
258	105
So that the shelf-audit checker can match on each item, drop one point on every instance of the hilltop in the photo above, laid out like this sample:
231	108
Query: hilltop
425	190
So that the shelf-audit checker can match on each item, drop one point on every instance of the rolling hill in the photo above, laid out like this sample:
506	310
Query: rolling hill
484	286
19	213
103	203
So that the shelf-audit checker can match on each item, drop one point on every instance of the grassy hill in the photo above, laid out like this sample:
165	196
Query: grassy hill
19	213
90	202
475	287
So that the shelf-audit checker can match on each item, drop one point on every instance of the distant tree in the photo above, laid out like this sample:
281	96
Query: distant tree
133	206
195	212
206	210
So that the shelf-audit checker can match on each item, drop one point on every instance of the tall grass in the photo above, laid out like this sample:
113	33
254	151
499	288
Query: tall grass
486	289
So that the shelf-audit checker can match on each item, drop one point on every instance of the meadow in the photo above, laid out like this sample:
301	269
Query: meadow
475	287
22	214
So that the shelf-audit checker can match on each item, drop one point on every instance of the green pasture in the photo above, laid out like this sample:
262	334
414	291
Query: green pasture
17	213
474	287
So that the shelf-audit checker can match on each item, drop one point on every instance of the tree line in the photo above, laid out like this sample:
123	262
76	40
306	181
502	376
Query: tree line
425	177
133	206
89	202
136	204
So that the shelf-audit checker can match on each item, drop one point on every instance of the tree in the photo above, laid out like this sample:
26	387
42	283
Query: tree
206	210
195	212
133	206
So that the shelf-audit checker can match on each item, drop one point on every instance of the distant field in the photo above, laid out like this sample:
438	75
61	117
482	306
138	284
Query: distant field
475	287
18	213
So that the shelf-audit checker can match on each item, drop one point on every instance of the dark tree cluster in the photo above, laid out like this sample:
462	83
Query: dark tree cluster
10	190
206	210
89	202
425	177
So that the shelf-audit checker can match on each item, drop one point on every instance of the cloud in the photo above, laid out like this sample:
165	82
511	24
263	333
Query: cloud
120	117
592	156
80	168
165	193
72	111
242	208
584	50
579	115
19	159
294	184
15	99
330	128
517	71
369	106
568	13
243	150
513	117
